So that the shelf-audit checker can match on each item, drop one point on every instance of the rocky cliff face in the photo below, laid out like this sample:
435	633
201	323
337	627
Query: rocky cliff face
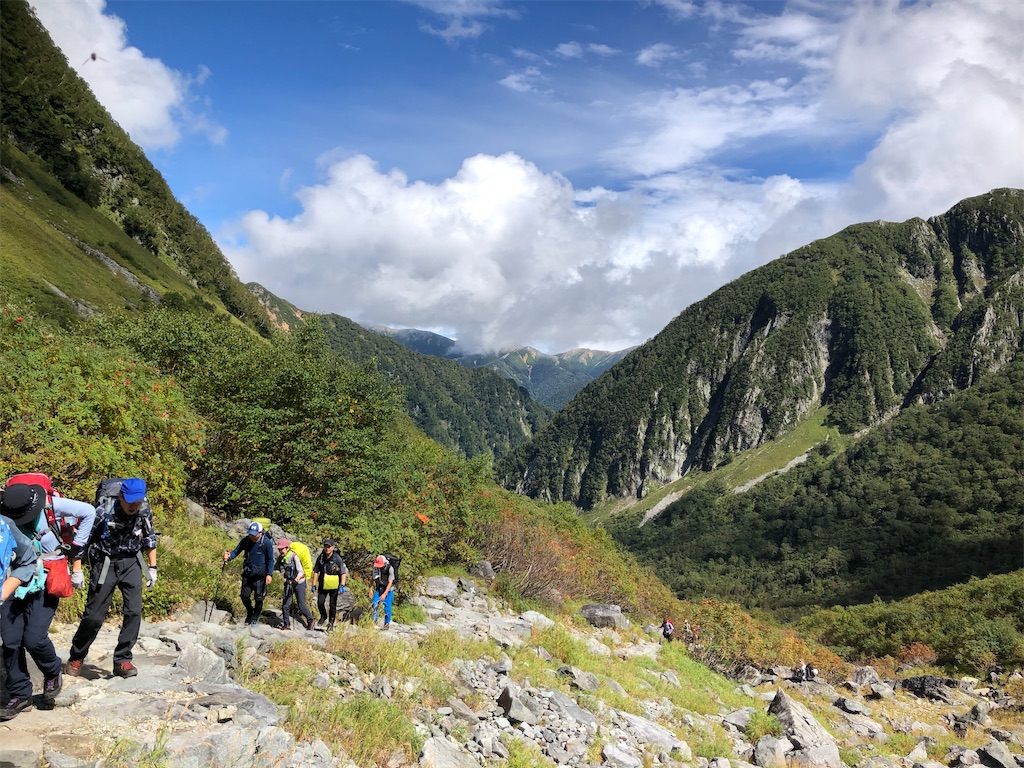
864	322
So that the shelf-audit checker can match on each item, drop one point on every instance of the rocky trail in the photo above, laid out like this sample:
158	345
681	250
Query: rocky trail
184	710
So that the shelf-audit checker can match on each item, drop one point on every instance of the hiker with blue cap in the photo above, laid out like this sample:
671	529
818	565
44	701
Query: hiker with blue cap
257	570
122	531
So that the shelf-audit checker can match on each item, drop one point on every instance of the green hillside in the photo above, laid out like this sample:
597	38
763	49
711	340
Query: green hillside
474	411
931	498
865	322
89	225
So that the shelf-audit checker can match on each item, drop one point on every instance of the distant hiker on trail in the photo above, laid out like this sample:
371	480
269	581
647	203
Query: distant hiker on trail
25	617
289	563
382	588
329	576
667	630
257	570
687	632
805	672
124	528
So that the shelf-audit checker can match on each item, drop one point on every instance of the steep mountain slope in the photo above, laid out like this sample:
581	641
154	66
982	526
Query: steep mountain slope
867	321
931	498
474	411
89	224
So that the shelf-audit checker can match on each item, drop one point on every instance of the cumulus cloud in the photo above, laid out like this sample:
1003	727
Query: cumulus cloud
524	81
570	50
152	102
657	54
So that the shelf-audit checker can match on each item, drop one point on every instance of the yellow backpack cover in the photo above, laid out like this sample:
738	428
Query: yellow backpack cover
305	558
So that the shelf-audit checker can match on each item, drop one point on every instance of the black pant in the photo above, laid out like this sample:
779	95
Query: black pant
321	600
253	587
299	592
25	627
124	573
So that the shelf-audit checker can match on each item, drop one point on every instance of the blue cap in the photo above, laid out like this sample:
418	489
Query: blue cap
255	529
133	489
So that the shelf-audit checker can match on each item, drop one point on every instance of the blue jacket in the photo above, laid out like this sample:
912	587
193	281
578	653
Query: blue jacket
259	555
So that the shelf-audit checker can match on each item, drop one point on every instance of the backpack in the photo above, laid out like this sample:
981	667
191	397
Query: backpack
65	528
305	558
394	562
7	548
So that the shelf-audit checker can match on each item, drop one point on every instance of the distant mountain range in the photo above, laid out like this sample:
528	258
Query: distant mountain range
552	380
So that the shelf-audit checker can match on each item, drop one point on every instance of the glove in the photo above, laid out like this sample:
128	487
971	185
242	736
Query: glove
151	577
77	579
313	589
343	590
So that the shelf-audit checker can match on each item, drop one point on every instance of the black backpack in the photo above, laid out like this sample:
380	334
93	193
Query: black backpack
394	562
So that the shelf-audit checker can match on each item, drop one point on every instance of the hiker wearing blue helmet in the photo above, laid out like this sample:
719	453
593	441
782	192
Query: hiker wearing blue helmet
257	570
124	528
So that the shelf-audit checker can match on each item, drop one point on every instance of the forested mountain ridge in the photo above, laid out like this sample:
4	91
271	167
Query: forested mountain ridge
474	411
552	380
866	322
109	234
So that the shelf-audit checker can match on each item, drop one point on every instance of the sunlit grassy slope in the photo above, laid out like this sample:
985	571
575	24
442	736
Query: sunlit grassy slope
745	468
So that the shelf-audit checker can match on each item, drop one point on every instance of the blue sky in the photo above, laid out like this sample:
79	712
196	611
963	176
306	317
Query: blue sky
559	174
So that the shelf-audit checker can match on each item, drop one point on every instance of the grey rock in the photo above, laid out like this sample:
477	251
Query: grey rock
862	676
441	753
604	615
199	663
440	587
881	691
770	752
852	706
514	709
616	757
536	619
482	570
801	727
996	754
818	756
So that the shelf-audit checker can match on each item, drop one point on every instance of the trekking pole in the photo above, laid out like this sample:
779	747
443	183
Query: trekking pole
211	605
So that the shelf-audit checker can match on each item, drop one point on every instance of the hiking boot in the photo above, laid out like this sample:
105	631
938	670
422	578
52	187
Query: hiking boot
387	625
15	706
330	627
125	669
74	667
52	686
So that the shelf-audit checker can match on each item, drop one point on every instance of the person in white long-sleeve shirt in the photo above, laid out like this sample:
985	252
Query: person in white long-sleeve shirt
25	621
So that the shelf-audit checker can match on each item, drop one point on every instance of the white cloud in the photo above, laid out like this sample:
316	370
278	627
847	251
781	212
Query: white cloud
571	50
151	101
602	50
524	81
657	54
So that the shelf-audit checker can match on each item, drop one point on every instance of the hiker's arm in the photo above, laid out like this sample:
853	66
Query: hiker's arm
343	573
10	584
86	514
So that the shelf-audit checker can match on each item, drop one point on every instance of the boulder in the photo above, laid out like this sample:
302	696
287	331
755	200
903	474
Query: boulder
604	615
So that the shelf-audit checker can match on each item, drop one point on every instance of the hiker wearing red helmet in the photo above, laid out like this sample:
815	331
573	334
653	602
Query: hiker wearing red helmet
383	588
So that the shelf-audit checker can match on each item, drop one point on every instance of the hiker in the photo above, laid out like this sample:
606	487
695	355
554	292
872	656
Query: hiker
17	558
667	629
805	672
124	530
289	563
382	588
25	618
257	570
329	576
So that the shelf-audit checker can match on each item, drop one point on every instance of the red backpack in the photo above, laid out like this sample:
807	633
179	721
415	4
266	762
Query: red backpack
66	527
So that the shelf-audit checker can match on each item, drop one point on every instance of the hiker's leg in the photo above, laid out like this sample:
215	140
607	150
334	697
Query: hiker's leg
334	606
286	605
246	595
129	578
36	641
387	607
13	618
96	605
321	605
373	606
300	601
259	593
